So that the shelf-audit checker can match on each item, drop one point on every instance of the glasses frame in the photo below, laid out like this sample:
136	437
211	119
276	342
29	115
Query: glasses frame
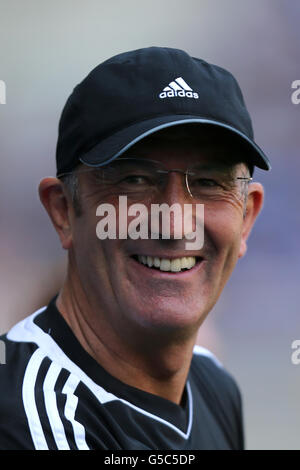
163	170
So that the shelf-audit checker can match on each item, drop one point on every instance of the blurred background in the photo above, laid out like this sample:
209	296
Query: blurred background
46	48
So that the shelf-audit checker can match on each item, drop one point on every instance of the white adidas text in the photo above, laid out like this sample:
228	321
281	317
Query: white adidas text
182	93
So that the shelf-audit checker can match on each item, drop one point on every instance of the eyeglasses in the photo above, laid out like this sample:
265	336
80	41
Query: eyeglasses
141	179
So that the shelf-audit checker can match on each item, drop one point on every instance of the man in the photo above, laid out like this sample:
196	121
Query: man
111	363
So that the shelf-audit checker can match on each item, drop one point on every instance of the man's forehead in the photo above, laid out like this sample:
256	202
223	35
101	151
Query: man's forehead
197	136
210	146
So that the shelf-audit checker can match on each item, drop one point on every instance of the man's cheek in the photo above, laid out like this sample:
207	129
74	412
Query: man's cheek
222	240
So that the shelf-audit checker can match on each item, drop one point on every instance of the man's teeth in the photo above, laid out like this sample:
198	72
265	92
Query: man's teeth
165	264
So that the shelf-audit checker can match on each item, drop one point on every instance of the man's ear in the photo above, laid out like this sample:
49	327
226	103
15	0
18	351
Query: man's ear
54	198
253	207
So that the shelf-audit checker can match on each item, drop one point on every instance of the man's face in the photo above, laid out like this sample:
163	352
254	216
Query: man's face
130	293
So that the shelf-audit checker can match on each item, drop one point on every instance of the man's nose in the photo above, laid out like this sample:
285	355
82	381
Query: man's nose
172	198
176	190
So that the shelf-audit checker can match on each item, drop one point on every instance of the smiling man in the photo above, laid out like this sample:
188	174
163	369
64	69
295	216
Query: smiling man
111	362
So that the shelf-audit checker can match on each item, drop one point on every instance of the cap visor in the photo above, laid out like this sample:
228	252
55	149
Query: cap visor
112	147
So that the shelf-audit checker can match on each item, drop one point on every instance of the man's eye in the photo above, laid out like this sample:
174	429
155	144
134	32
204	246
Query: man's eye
206	182
135	180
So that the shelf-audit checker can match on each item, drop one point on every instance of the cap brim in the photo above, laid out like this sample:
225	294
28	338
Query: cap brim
112	147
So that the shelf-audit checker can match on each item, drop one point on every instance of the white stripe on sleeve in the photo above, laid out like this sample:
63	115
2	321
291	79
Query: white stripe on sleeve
51	407
29	403
70	409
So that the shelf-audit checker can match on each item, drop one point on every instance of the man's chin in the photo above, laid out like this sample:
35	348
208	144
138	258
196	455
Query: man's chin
163	301
162	316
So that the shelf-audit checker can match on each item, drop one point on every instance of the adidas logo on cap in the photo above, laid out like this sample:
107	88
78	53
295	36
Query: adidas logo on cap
178	88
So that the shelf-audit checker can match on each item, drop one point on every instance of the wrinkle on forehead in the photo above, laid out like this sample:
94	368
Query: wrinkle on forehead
209	156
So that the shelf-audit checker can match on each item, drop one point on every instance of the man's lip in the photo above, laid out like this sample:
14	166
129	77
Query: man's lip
157	273
169	256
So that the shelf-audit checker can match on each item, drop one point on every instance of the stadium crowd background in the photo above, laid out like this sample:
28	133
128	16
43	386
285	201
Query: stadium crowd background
45	50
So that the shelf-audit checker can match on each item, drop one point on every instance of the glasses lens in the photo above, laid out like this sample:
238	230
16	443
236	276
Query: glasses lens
215	185
131	176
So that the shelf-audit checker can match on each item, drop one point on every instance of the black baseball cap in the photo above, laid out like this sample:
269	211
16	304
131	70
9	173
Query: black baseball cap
134	94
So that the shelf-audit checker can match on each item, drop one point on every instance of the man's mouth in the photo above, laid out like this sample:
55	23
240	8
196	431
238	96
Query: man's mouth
174	265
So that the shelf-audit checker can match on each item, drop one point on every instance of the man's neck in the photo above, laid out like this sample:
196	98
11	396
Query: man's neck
155	364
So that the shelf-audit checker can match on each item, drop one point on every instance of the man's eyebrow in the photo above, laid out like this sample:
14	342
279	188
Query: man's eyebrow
215	166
